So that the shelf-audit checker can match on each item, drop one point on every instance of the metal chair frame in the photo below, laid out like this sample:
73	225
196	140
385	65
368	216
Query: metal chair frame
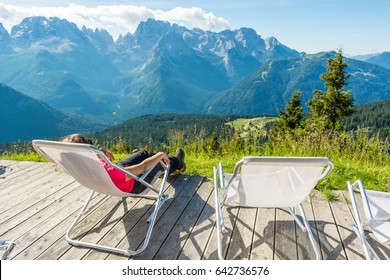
220	179
364	225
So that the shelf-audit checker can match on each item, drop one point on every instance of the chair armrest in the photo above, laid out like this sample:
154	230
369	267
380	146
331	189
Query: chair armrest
327	170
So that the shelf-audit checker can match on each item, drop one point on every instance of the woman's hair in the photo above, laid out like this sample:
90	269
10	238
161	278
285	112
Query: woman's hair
77	138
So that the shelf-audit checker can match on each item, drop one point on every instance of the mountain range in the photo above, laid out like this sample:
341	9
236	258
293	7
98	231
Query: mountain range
166	68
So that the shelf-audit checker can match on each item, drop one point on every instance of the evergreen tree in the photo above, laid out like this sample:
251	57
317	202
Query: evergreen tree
331	106
292	117
215	147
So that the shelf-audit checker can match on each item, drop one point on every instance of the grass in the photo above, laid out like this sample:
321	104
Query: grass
374	178
203	166
32	156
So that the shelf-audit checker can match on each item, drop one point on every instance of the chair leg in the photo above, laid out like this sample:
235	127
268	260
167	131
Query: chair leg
218	216
358	227
363	240
292	213
310	233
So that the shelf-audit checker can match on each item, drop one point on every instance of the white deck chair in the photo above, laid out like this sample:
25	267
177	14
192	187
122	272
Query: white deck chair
272	182
81	161
376	207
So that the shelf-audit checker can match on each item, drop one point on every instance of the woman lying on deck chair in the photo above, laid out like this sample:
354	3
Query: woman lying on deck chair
137	163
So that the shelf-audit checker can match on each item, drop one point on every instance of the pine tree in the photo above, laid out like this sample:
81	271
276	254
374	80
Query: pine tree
215	147
292	117
330	107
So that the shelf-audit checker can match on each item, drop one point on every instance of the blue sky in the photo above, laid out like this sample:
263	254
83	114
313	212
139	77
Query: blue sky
357	26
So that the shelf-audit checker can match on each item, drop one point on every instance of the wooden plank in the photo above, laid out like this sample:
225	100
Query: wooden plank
136	235
264	235
241	241
8	168
4	163
41	224
18	214
37	190
329	238
181	231
25	184
42	220
344	221
285	236
196	243
165	224
44	243
18	171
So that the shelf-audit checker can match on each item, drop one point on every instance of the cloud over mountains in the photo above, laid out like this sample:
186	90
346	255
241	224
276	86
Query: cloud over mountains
116	19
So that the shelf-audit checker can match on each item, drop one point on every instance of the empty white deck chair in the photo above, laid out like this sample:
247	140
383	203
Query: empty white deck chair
81	161
376	207
271	182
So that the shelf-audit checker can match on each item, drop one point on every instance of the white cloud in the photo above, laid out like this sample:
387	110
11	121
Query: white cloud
194	17
116	19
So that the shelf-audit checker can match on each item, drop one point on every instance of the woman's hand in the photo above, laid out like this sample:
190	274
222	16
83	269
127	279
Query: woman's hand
164	158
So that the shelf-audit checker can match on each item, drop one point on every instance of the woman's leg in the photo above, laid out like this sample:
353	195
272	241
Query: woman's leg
174	161
177	163
135	158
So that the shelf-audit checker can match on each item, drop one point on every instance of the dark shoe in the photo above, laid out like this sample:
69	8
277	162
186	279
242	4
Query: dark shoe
180	156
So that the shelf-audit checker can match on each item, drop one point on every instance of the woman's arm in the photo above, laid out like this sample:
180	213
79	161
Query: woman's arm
141	168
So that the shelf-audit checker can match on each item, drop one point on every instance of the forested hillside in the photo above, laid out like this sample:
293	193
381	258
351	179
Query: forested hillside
157	130
374	117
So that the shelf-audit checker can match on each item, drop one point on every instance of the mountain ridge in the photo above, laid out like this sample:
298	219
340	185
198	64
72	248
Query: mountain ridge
163	68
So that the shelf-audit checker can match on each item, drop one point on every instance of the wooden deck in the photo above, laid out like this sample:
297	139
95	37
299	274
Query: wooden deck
38	202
